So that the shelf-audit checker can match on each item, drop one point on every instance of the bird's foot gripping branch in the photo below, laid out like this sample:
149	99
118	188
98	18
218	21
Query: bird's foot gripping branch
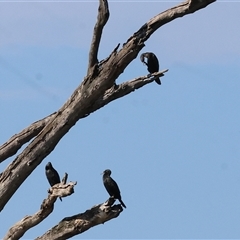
62	190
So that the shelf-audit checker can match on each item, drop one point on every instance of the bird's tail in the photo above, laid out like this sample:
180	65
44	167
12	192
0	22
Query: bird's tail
157	80
60	199
122	203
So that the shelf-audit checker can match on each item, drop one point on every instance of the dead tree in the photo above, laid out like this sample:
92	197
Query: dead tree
97	89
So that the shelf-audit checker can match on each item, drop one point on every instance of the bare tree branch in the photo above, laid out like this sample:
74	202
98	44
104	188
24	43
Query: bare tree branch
64	179
62	190
103	15
188	7
19	228
123	89
9	148
74	225
84	97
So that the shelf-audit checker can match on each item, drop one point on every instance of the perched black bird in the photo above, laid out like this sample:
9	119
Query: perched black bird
52	175
111	186
152	63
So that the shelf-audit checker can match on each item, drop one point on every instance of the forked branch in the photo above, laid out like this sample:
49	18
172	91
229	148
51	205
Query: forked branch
58	190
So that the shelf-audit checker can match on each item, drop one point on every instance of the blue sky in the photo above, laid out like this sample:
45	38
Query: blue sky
173	149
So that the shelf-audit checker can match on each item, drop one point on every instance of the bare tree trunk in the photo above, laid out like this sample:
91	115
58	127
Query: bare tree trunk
97	89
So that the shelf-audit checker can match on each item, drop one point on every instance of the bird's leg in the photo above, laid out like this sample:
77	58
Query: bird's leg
149	75
110	201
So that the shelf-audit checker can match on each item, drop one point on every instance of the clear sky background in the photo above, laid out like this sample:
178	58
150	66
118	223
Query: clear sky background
173	149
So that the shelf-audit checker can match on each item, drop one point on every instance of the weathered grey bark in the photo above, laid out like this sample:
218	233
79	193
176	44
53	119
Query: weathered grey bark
62	189
11	147
74	225
103	15
97	89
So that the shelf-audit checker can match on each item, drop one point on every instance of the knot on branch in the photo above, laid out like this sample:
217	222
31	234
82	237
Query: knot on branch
102	213
62	190
108	206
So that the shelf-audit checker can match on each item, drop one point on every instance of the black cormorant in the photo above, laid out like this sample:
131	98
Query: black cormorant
52	175
152	63
111	186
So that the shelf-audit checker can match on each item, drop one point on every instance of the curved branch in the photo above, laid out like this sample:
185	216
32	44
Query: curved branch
10	147
188	7
103	15
74	225
19	228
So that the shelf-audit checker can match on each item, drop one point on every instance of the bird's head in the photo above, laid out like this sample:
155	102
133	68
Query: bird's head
48	166
107	172
142	58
